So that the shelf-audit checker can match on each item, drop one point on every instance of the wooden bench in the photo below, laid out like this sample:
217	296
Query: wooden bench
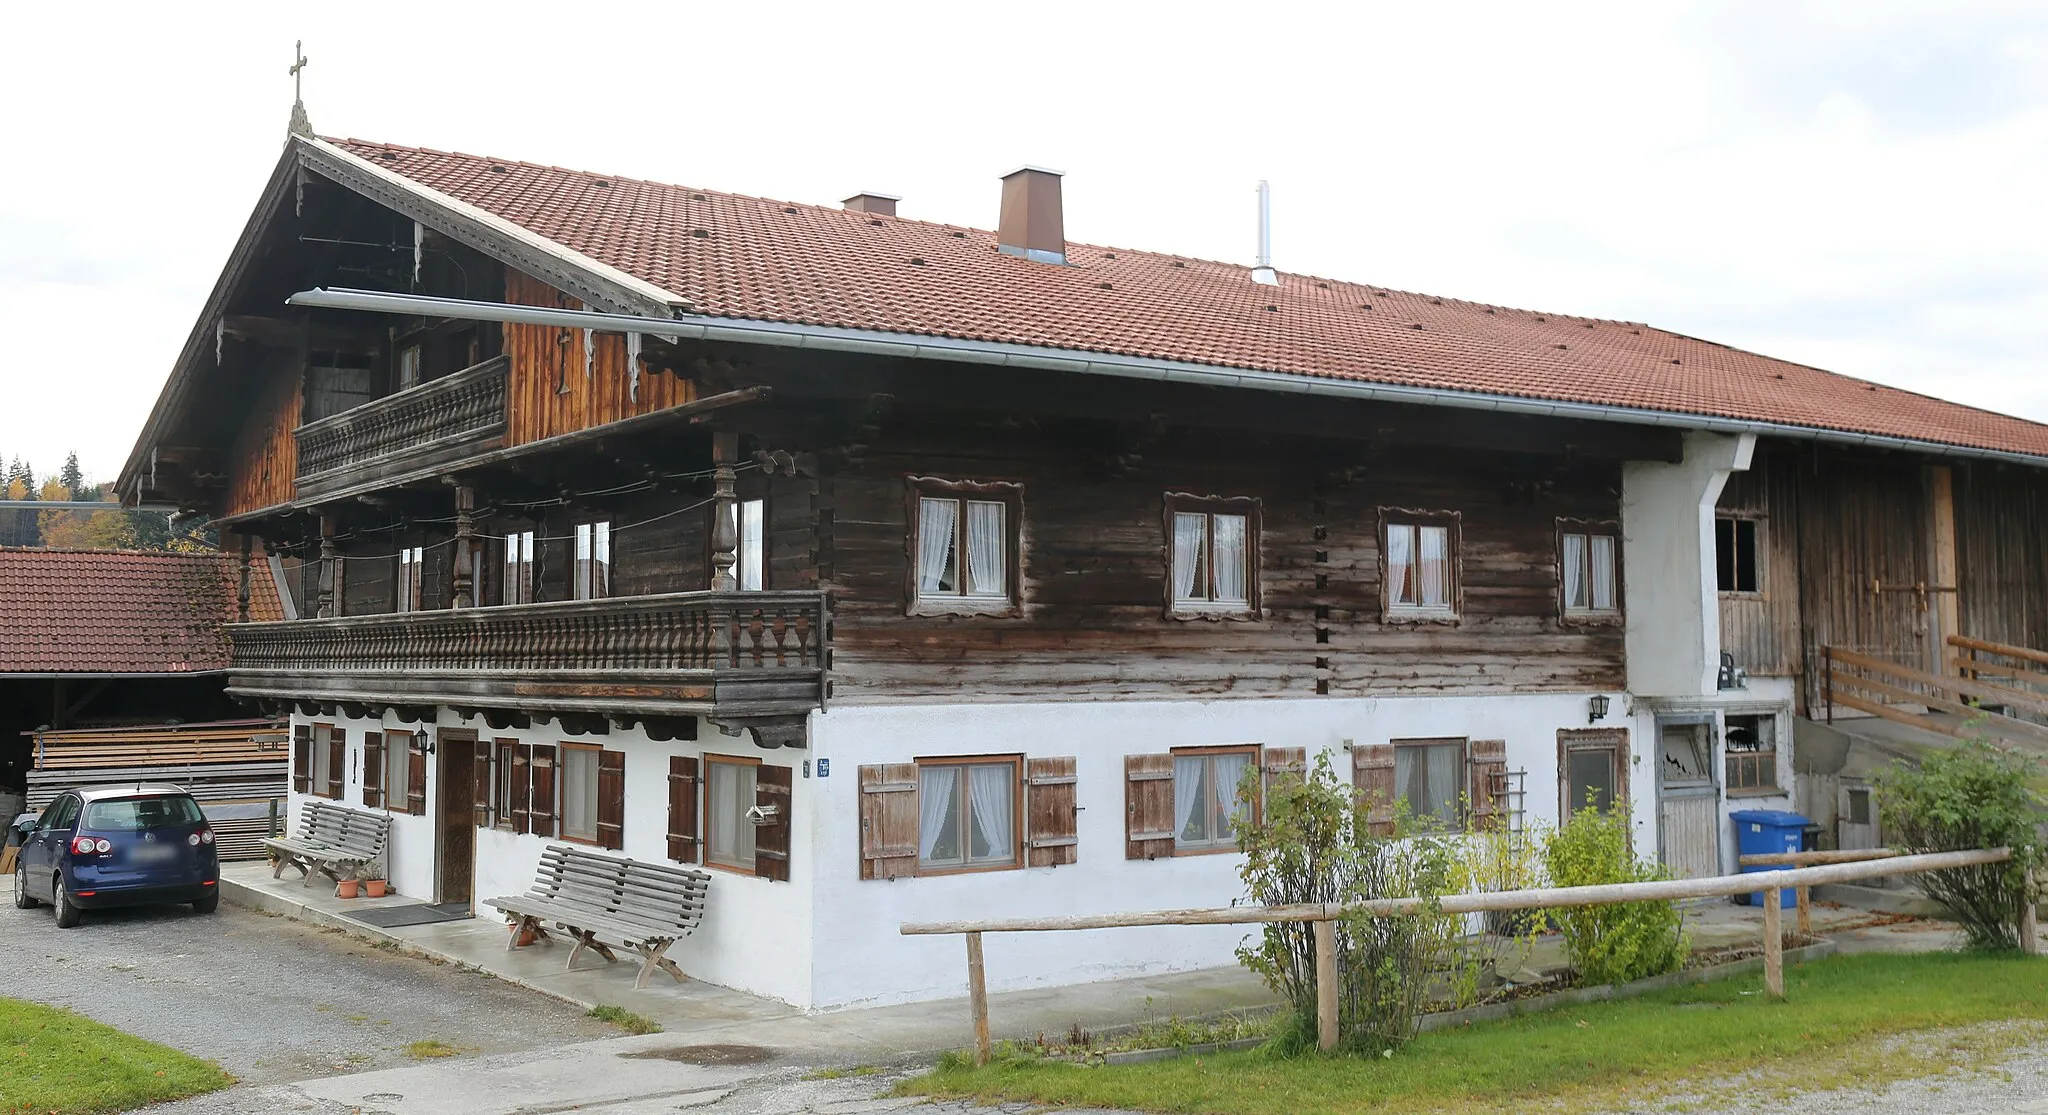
332	839
603	901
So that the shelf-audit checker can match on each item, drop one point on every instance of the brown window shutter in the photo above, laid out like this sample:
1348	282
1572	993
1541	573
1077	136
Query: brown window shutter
682	808
522	787
1487	764
337	761
482	784
1148	806
1050	812
1372	775
611	799
373	770
1282	762
416	779
541	812
302	758
772	787
888	820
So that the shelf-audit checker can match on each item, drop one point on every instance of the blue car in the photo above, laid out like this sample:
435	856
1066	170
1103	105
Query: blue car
132	846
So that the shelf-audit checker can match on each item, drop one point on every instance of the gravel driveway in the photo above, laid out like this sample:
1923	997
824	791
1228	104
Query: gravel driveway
271	1000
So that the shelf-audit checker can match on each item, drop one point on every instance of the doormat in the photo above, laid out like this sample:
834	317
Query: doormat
391	917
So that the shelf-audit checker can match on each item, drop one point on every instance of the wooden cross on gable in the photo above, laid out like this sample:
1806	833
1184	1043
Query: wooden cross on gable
300	125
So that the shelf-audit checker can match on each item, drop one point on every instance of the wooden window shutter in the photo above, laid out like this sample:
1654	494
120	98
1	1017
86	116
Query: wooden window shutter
337	761
482	783
1372	775
1487	764
611	800
1280	762
416	779
521	789
373	769
773	787
302	758
1148	806
682	808
541	813
1050	812
888	820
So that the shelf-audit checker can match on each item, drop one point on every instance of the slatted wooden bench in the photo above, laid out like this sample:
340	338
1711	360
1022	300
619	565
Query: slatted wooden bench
332	839
603	901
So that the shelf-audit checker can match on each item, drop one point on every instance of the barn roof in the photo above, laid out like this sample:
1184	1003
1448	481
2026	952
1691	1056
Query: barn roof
121	611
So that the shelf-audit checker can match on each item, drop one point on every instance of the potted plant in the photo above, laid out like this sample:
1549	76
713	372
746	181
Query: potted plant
374	885
346	888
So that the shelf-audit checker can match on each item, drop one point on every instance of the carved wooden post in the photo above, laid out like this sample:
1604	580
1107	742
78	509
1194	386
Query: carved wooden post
242	585
330	569
465	547
725	541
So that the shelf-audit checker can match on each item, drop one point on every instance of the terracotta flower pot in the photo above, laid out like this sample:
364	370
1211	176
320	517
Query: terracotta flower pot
373	888
345	889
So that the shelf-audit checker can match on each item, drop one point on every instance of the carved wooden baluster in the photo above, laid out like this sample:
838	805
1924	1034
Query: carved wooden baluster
329	567
242	584
781	633
725	542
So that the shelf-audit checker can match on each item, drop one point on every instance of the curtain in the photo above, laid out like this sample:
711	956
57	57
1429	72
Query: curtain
721	793
1435	583
935	544
990	787
1189	790
1574	571
936	814
1400	564
1229	562
1187	551
579	793
753	557
1444	764
1603	572
1229	772
984	548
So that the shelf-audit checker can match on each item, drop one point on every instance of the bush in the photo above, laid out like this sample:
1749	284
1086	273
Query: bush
1976	796
1622	942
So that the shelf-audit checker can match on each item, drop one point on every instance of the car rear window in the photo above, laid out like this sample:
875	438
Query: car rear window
136	814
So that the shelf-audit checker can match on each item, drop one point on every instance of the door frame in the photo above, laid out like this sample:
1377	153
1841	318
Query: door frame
1593	739
1709	790
448	744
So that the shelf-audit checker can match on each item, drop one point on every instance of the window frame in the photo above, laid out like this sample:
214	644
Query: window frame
322	764
705	805
583	578
1008	493
1590	616
519	559
1451	612
1571	740
594	840
1251	509
1759	759
411	581
1758	543
402	767
1017	834
1461	804
1221	845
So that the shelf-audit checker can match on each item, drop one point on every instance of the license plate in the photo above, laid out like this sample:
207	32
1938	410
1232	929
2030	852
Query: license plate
154	853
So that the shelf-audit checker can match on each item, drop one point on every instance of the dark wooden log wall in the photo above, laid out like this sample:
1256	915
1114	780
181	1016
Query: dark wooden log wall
264	461
1762	630
548	394
2002	553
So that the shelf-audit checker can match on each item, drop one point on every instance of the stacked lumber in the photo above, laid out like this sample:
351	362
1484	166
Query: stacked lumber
238	771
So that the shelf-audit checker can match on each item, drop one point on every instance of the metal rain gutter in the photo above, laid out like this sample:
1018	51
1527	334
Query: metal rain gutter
828	338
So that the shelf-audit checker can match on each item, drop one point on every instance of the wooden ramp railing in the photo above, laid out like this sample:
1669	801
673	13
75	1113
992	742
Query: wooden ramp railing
2021	669
1879	687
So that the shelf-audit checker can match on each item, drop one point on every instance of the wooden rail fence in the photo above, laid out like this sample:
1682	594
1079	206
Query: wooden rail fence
1324	917
1880	687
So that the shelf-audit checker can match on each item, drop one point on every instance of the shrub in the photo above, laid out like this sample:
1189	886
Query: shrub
1976	796
1622	942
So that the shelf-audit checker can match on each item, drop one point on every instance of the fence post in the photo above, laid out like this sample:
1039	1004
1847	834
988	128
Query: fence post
1326	983
1774	944
2030	918
977	999
1805	911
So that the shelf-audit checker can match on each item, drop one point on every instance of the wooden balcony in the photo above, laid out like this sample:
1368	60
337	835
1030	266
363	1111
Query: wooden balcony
413	431
745	659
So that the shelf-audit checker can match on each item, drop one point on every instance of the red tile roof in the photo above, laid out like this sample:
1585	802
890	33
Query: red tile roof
120	611
753	258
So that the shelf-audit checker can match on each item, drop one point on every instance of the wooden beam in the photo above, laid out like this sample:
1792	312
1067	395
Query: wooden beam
1942	507
977	999
2024	653
1774	943
1326	984
1811	859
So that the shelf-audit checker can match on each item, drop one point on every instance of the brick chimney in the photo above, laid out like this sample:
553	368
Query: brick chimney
868	201
1032	223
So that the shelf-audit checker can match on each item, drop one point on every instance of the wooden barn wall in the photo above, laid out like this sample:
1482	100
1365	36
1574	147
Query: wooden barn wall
263	465
1761	630
1094	578
1864	519
2002	553
547	392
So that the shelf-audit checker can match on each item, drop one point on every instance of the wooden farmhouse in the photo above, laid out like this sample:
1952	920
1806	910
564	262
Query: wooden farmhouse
894	570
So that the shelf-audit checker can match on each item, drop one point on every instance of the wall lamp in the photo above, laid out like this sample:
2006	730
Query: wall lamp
1596	708
424	740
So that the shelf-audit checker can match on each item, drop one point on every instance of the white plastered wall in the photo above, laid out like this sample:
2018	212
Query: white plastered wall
1667	527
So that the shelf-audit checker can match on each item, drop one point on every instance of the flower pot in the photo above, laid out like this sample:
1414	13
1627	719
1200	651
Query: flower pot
373	888
527	936
345	889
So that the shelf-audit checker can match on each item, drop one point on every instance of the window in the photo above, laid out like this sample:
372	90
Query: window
1429	776
593	573
964	546
1750	751
1592	769
748	517
729	785
506	793
1735	555
579	792
1859	807
408	367
411	564
518	586
329	761
1686	754
137	814
1205	798
967	814
397	752
1589	581
1419	555
1212	551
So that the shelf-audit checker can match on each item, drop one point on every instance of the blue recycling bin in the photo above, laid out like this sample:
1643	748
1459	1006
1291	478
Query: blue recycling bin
1766	831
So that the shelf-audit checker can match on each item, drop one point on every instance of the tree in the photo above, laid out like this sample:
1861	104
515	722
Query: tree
71	477
88	530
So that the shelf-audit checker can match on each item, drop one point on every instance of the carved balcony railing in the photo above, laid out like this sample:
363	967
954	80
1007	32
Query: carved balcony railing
414	430
726	654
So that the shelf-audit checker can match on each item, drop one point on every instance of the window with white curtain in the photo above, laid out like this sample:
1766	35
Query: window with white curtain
967	814
728	794
518	585
1587	576
593	572
1421	567
577	774
748	518
1212	553
1430	775
411	564
1205	798
964	545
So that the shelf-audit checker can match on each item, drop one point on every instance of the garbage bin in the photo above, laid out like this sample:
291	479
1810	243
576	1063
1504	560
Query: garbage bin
1763	832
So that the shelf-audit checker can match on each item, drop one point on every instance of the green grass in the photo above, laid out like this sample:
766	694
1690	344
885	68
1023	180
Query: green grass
52	1060
1831	1027
840	1073
625	1020
429	1048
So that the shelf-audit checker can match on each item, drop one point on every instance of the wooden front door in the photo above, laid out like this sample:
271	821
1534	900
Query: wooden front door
455	820
1688	798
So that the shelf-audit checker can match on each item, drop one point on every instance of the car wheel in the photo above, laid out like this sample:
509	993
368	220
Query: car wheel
208	904
68	916
21	899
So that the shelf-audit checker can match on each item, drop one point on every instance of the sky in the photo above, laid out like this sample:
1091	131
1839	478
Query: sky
1856	185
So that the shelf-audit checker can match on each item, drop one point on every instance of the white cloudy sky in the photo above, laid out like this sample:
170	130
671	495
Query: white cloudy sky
1853	184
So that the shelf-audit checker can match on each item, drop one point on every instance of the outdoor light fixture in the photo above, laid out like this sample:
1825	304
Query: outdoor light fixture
1597	708
423	740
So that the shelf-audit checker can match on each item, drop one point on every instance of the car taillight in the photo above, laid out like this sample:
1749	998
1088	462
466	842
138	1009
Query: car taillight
203	836
87	846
